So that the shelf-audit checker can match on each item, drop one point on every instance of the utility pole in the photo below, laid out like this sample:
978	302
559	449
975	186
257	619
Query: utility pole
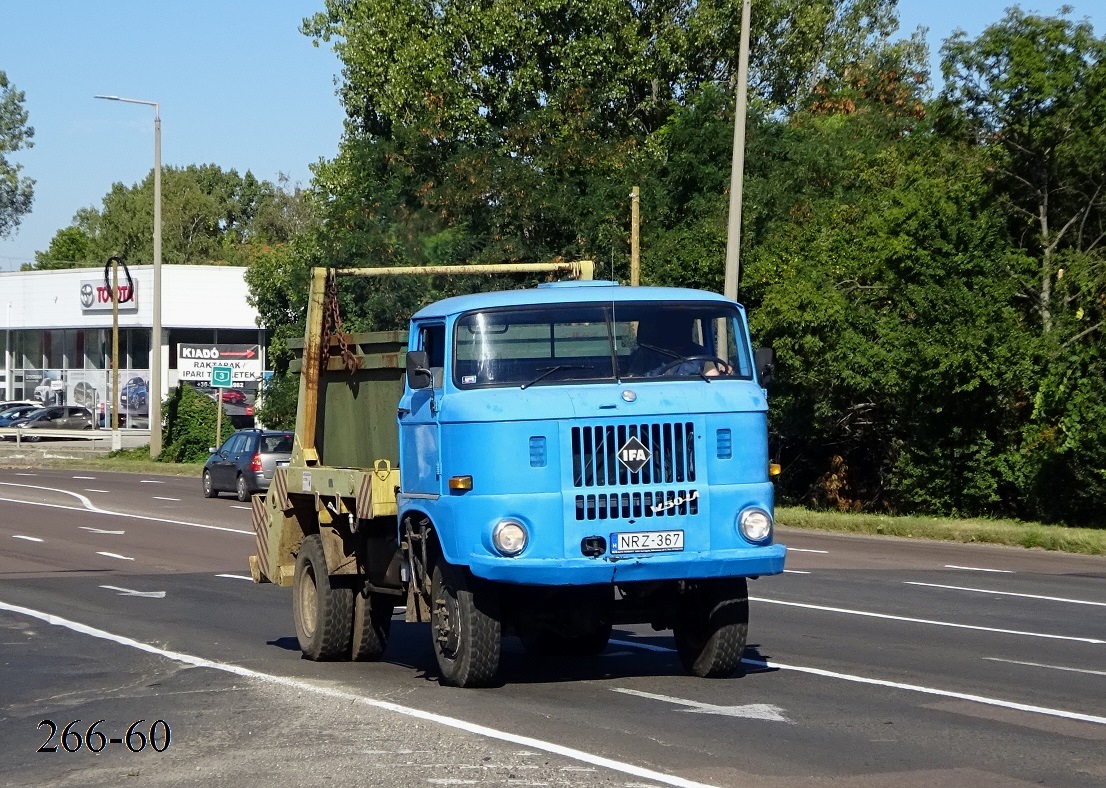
737	171
635	238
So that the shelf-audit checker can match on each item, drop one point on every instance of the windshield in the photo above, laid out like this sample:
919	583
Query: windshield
571	344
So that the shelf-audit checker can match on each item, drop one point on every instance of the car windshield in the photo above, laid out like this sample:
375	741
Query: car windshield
573	344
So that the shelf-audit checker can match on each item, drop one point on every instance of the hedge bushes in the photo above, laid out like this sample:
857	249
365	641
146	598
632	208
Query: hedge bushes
190	426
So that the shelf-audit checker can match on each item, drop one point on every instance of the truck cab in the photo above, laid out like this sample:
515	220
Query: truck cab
586	442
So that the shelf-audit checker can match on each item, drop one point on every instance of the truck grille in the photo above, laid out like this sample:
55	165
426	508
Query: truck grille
613	506
671	447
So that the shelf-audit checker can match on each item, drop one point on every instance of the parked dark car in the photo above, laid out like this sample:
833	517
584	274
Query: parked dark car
16	412
58	417
245	463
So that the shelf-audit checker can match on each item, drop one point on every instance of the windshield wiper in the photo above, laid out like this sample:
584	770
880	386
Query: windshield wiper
547	371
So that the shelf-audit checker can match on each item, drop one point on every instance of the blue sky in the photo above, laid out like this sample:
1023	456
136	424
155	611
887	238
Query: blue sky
238	86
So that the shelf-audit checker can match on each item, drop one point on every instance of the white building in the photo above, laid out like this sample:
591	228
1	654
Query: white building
57	339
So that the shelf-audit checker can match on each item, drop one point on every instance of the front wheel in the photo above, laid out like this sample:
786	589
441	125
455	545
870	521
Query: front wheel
465	627
209	486
713	626
323	613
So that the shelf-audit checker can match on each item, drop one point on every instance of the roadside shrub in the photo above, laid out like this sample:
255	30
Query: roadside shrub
279	396
190	426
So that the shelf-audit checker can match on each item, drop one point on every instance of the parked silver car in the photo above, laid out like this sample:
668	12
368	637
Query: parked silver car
57	417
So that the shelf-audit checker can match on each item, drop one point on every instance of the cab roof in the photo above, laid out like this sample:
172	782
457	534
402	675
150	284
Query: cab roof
584	292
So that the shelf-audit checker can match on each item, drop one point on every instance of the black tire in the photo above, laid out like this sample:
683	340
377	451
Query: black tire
209	486
545	642
713	626
465	628
241	489
323	613
372	623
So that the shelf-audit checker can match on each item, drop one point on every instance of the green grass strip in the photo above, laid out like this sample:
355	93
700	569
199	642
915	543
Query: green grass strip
1088	541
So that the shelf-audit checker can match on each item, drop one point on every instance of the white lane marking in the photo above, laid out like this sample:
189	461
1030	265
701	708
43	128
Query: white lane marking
1052	667
100	530
1007	593
331	692
28	538
754	711
26	474
91	507
149	481
160	498
84	477
247	508
795	572
908	620
115	555
1006	704
132	592
802	550
237	577
89	489
980	569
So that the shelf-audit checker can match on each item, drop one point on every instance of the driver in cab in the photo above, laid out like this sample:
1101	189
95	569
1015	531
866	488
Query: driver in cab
667	345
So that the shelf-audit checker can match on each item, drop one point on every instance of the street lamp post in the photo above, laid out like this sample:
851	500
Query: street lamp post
154	401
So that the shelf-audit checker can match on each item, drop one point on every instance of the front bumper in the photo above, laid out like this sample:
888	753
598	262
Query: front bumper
742	562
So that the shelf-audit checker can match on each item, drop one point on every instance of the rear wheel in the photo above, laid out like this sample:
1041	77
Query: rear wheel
465	628
209	486
242	489
713	626
323	613
372	622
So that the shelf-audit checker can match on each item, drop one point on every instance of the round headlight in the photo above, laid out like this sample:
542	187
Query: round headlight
755	524
509	537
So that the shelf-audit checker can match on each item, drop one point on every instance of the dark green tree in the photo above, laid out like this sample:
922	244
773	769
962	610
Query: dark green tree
1030	93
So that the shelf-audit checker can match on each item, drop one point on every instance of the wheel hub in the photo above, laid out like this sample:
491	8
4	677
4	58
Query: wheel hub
445	623
308	608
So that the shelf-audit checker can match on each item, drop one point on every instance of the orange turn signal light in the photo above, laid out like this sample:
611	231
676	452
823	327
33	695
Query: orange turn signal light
773	469
460	482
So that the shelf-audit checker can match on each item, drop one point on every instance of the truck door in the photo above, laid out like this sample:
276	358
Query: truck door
419	447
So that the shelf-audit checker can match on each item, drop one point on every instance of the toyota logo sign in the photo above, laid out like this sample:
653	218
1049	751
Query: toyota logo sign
87	295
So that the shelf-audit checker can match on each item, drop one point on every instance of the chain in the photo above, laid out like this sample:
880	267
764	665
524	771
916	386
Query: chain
332	326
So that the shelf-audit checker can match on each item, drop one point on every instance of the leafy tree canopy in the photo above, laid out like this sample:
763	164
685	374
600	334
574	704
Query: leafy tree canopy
16	191
208	216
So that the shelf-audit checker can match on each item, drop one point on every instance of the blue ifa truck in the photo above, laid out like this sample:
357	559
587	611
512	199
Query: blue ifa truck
544	463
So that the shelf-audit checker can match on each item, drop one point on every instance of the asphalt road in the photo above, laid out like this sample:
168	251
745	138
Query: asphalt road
872	661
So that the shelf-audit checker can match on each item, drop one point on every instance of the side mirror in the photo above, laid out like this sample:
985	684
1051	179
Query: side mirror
211	450
765	358
419	375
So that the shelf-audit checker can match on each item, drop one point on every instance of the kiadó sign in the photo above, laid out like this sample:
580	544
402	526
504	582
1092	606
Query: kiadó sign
194	362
